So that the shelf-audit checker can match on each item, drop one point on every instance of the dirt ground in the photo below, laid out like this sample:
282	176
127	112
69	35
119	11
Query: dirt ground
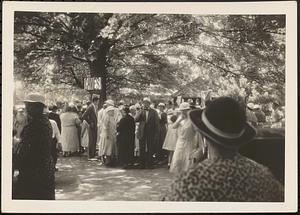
80	179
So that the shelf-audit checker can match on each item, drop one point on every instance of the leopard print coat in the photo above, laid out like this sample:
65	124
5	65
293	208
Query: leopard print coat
228	180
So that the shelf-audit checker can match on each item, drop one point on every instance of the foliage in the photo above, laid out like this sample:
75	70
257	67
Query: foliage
232	53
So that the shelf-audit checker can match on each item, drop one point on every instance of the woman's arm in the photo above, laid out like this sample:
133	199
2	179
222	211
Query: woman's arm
177	123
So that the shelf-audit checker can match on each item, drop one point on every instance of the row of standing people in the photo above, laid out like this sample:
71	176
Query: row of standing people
123	132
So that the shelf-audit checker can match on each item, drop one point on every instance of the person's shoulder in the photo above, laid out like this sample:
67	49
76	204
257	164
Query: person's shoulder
253	168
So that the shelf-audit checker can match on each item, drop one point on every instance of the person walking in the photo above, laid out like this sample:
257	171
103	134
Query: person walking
69	135
34	161
125	138
90	116
225	176
148	132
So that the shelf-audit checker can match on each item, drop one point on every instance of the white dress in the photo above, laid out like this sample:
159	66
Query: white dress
108	136
85	134
186	141
69	132
171	138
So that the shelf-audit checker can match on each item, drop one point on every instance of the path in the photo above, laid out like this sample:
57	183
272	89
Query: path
79	179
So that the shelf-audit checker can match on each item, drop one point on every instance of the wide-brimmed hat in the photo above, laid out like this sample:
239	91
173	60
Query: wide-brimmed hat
35	98
224	122
109	102
184	106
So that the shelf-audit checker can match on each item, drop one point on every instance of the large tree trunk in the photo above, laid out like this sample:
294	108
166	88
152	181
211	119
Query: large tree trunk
99	68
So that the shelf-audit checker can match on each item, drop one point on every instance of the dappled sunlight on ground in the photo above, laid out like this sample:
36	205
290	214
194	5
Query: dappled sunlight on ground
79	179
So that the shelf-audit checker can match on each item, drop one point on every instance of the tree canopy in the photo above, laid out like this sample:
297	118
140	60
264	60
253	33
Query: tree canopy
243	54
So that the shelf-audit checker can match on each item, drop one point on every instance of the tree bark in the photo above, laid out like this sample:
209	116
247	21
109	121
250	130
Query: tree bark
99	68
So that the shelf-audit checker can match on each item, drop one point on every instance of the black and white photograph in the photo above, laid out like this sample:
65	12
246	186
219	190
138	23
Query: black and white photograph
157	106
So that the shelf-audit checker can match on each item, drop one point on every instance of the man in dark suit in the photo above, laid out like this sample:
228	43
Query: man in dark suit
90	116
55	116
148	133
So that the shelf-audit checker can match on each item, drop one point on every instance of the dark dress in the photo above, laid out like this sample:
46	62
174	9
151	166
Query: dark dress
163	121
36	178
125	139
90	116
56	118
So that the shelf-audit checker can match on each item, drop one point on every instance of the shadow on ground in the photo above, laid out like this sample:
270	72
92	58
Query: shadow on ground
79	179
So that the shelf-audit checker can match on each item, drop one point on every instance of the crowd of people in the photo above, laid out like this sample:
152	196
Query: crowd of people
199	145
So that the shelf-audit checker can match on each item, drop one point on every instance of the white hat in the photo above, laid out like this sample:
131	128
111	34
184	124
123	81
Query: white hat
161	104
110	108
132	107
137	106
250	105
35	98
256	107
184	106
110	102
147	100
71	104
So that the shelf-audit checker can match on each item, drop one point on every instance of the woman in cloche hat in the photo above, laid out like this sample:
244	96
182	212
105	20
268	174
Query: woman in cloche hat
186	140
35	164
225	175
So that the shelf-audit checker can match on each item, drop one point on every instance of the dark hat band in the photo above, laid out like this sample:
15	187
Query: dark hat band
217	131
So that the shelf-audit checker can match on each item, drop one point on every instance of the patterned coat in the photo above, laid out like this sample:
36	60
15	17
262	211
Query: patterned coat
227	180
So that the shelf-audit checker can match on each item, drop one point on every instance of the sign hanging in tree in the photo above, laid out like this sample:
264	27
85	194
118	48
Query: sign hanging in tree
92	83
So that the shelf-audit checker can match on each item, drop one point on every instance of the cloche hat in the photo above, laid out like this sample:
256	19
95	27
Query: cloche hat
109	102
184	106
110	108
224	122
